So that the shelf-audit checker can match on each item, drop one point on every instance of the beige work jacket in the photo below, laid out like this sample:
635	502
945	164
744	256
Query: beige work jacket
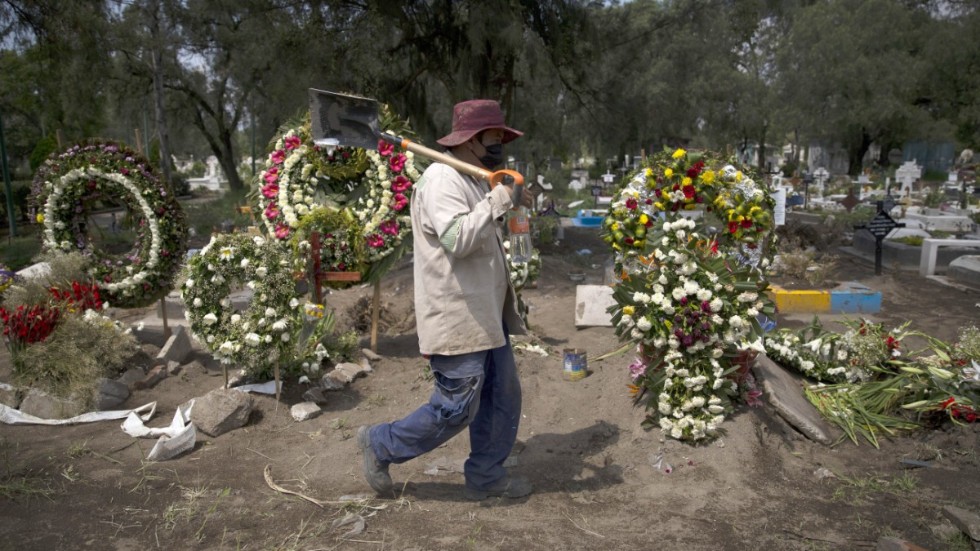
463	294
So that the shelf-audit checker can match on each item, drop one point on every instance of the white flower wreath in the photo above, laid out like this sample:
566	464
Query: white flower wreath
55	229
292	186
260	335
65	181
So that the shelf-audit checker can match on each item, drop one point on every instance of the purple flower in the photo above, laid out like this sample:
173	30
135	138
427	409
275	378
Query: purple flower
637	369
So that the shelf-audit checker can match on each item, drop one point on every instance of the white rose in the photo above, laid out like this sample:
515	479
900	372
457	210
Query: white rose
210	319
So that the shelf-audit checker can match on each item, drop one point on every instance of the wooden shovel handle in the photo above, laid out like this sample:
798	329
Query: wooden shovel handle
511	177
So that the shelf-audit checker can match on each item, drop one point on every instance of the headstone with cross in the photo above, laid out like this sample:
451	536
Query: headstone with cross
906	175
820	177
850	201
880	226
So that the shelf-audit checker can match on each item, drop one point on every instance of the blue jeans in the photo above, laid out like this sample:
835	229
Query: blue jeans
480	390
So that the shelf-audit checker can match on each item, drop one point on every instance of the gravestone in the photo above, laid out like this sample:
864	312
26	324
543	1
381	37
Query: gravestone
906	175
821	176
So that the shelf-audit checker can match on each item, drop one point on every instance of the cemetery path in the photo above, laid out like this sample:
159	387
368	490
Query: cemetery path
601	481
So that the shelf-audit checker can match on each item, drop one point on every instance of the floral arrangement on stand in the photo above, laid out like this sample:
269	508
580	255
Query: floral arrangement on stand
341	243
688	232
372	187
869	384
523	274
69	184
273	330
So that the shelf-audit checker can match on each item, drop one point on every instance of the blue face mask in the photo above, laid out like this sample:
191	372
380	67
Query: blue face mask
494	156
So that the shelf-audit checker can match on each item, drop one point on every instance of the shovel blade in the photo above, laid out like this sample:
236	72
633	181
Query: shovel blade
343	120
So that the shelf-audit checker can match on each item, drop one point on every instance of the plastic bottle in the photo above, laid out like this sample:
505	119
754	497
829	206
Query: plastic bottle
519	229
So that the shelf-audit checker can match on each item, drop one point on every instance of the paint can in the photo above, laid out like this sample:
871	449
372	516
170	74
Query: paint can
576	364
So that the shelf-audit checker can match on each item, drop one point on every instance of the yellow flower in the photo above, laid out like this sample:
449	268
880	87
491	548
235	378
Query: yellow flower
708	176
691	206
628	310
39	218
738	176
659	206
615	226
668	324
314	310
754	210
679	153
668	172
686	181
648	172
644	219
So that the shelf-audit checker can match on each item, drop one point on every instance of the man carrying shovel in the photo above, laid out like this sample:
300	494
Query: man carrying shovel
465	307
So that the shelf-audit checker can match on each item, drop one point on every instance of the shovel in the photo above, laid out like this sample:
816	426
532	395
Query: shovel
352	121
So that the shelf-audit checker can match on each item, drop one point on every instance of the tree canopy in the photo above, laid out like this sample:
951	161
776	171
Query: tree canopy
579	77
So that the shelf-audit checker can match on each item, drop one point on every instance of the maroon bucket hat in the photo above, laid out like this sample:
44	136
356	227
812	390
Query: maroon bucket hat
474	116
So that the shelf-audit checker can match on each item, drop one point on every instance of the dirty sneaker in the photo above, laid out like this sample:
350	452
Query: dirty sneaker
508	486
375	472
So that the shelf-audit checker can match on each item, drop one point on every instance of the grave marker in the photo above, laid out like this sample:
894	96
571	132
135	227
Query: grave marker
880	226
906	175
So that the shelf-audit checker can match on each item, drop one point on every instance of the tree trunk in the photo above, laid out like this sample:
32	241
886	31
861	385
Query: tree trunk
227	161
161	115
222	148
856	153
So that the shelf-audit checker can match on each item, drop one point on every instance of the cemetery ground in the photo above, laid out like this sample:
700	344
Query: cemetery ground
601	481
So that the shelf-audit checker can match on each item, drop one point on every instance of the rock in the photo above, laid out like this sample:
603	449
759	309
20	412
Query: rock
365	365
370	354
315	395
41	404
177	348
897	544
333	380
196	365
109	394
304	411
221	410
132	376
10	396
823	472
945	531
352	371
154	376
173	368
966	521
783	391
